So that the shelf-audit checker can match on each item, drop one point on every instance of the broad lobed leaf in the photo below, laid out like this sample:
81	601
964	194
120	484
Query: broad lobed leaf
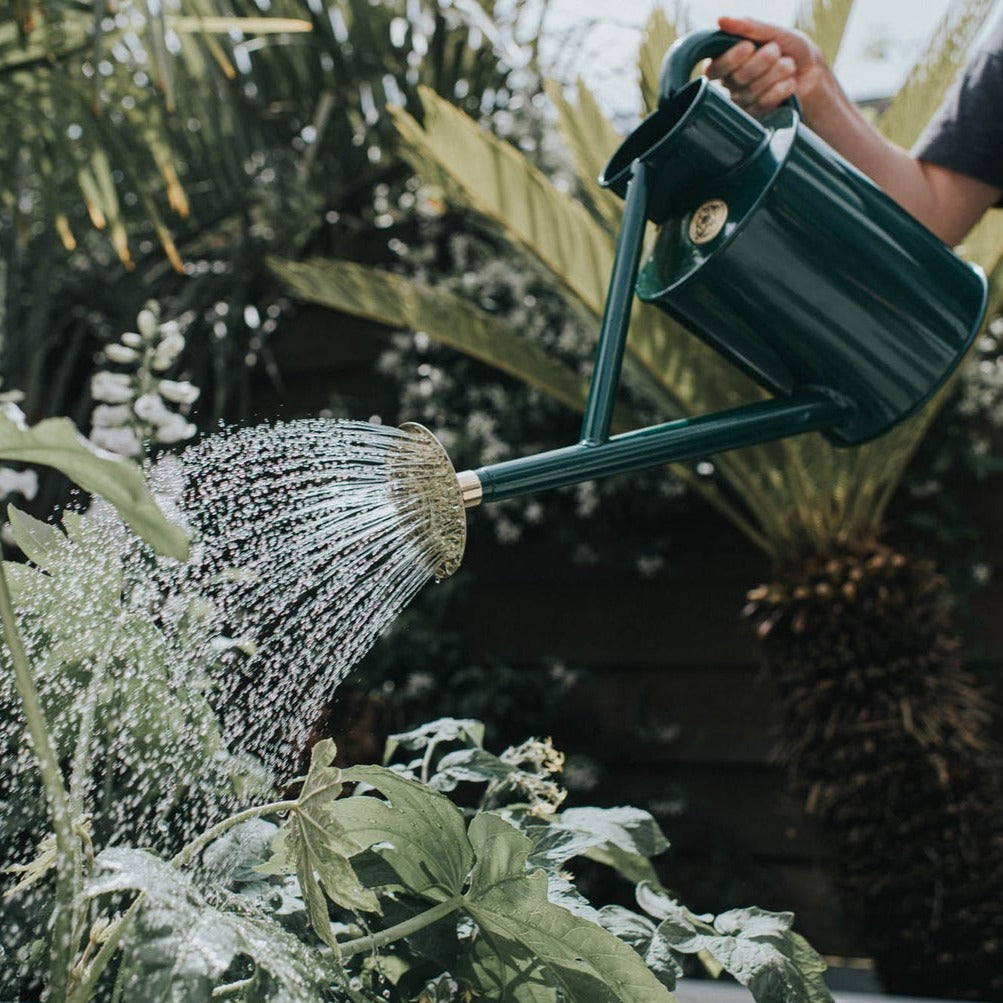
317	847
757	947
515	916
419	833
181	946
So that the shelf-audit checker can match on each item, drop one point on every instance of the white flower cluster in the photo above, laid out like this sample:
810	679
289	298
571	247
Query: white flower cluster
14	482
137	403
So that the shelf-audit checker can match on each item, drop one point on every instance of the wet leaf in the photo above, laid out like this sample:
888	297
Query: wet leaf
758	948
418	832
181	946
443	729
314	842
470	766
39	541
518	922
55	442
640	933
623	838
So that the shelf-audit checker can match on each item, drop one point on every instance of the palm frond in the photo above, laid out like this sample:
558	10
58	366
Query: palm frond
659	34
402	303
825	22
914	104
500	183
591	140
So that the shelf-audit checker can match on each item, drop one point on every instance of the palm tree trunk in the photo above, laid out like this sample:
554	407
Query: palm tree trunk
886	738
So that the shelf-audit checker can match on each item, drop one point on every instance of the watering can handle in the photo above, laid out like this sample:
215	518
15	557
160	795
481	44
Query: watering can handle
687	51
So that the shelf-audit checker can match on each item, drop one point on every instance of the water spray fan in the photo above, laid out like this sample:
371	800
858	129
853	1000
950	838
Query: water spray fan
780	255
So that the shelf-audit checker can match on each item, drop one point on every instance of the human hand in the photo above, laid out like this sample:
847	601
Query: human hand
773	64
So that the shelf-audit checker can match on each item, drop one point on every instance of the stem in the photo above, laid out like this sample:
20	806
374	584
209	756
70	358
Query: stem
67	851
232	988
189	852
84	990
373	943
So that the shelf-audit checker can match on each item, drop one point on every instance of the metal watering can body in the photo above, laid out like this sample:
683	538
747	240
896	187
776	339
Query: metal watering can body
785	259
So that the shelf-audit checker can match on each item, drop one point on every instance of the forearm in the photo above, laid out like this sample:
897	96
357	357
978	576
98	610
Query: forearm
947	203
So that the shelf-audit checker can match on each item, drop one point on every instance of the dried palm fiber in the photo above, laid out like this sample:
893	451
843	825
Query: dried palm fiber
886	738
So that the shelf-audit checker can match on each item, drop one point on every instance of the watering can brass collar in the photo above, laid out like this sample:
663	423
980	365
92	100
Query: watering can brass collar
471	489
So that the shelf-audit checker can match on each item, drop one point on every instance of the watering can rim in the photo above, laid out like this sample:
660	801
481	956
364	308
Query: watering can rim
694	90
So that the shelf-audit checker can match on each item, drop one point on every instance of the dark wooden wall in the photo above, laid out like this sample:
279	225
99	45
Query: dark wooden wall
675	708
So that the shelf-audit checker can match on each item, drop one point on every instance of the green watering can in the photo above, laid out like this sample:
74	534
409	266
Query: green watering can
781	256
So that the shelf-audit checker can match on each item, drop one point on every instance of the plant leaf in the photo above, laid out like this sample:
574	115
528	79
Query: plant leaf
245	25
622	838
444	729
403	303
181	945
587	963
592	140
55	442
313	842
757	947
39	541
659	34
424	833
640	933
501	184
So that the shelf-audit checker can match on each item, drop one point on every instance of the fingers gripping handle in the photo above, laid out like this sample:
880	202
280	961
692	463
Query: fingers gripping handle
689	50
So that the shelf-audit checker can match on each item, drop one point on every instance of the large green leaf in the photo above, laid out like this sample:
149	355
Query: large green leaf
56	443
504	186
418	832
403	303
622	838
516	919
758	948
592	140
313	843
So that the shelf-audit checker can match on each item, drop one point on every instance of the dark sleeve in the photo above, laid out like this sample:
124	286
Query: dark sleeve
966	134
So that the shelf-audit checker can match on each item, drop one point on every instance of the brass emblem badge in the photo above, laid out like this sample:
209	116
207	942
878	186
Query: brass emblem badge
707	221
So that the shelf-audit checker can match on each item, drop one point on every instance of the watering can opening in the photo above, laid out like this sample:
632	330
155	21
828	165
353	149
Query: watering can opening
696	134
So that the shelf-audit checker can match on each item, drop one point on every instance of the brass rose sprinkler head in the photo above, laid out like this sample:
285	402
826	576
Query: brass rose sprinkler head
443	496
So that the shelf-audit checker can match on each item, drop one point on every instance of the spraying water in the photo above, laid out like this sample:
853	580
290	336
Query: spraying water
311	536
158	679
